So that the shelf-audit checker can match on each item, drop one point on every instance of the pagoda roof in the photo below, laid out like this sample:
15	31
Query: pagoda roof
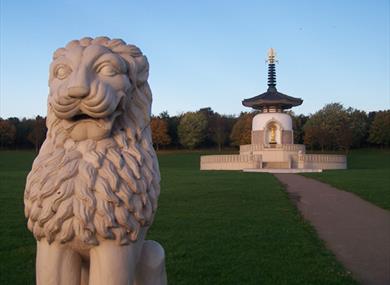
272	98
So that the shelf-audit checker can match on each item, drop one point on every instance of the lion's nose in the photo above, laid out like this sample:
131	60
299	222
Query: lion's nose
78	91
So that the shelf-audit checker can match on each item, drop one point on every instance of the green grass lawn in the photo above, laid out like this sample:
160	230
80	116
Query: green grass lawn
216	228
368	176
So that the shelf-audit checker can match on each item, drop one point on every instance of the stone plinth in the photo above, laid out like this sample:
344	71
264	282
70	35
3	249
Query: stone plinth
267	158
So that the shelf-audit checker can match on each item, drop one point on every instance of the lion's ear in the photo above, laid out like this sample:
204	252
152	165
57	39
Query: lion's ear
138	68
138	108
142	65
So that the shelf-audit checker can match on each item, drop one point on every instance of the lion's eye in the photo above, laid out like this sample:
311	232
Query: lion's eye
62	71
107	70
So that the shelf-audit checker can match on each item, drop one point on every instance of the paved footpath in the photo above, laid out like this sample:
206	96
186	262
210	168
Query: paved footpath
356	231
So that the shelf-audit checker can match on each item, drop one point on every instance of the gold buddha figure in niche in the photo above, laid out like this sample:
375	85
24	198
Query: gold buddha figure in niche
273	134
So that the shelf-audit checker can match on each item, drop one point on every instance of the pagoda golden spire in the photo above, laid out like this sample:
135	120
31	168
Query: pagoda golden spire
271	56
271	69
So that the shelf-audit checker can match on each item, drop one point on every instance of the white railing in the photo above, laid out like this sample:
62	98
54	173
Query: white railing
294	147
229	158
260	147
331	158
245	148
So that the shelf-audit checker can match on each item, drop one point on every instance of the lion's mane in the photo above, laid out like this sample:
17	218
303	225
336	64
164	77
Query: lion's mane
93	190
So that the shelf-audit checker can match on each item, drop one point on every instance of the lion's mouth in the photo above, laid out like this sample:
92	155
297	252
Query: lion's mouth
105	123
80	117
85	119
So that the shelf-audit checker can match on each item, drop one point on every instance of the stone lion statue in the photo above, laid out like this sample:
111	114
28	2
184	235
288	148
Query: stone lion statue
92	192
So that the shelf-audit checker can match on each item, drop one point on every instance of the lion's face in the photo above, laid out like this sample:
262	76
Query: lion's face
87	90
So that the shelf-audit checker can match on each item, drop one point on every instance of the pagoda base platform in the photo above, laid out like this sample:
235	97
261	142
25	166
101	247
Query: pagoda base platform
275	158
282	170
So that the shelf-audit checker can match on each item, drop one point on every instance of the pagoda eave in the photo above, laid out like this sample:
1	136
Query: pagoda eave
268	99
262	106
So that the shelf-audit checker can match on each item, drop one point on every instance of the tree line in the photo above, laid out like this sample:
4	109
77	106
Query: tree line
334	127
23	133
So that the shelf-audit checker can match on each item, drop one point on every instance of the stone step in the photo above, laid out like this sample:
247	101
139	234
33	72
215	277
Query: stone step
276	164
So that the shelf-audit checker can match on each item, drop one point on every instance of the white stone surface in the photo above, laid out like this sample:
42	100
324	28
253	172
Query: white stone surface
260	121
92	192
273	120
229	162
285	156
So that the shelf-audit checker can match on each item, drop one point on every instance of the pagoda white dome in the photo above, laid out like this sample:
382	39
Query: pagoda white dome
261	121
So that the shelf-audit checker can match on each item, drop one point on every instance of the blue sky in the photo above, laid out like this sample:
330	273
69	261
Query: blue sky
209	53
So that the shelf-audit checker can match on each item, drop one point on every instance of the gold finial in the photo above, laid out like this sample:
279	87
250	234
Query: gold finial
271	55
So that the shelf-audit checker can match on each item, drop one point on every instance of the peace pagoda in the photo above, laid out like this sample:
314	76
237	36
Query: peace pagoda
272	147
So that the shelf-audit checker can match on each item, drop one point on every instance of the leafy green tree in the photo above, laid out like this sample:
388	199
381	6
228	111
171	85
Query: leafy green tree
210	116
359	123
218	128
380	129
316	134
298	121
192	129
329	128
344	133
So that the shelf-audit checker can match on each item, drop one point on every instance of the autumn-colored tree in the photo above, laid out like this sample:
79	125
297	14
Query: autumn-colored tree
192	129
7	133
242	129
380	129
160	135
173	123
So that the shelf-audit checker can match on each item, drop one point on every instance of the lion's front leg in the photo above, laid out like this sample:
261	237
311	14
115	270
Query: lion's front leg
57	264
151	265
113	264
